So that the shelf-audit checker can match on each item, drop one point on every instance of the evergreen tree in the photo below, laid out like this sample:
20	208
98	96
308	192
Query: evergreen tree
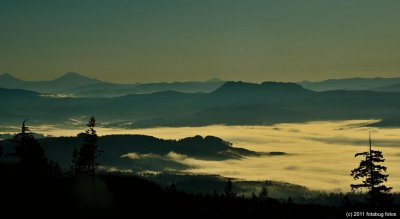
84	160
29	153
229	189
171	188
290	200
372	174
263	195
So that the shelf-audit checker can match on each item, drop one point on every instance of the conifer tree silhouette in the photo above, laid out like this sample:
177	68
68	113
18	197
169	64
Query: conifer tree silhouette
84	161
29	153
229	189
263	195
372	174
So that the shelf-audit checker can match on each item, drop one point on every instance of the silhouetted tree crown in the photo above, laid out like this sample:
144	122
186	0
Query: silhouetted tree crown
263	196
84	159
290	200
372	174
171	188
29	153
229	189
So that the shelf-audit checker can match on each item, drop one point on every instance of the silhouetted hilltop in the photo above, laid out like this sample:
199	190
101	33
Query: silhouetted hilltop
16	93
267	86
8	78
73	79
258	90
245	92
141	152
350	83
65	82
236	86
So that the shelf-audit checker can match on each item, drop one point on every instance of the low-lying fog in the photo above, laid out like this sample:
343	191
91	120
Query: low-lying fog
321	154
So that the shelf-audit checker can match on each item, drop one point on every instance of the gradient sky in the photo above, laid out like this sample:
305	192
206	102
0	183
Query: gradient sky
160	40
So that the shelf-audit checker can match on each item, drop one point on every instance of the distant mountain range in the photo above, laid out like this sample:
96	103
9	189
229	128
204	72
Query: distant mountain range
61	84
77	85
233	103
74	84
378	84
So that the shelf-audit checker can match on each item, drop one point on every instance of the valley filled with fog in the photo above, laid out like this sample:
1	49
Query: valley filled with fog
318	155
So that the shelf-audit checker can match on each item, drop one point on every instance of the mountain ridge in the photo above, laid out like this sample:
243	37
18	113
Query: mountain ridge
83	86
255	104
355	83
8	76
64	82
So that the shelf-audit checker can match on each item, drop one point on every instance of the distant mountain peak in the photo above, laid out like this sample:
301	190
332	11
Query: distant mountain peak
8	76
73	76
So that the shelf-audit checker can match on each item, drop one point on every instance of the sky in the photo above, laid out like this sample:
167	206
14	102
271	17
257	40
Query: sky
177	40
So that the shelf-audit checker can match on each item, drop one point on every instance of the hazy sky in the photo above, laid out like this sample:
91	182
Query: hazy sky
167	40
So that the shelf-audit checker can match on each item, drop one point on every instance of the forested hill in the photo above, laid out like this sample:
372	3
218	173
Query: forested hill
144	153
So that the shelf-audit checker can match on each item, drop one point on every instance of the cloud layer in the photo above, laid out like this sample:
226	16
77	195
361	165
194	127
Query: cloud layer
321	153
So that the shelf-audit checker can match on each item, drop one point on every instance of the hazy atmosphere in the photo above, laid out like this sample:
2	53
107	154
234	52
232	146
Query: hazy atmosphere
153	41
200	108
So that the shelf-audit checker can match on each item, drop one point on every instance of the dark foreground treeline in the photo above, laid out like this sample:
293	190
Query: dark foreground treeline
114	196
117	196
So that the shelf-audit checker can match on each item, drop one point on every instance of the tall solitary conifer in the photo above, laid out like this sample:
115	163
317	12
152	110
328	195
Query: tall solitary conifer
84	160
29	153
372	174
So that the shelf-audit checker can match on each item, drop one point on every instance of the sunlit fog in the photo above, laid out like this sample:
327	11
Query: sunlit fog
320	154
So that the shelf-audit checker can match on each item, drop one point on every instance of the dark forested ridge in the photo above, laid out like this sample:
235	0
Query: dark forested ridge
234	103
105	196
145	153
